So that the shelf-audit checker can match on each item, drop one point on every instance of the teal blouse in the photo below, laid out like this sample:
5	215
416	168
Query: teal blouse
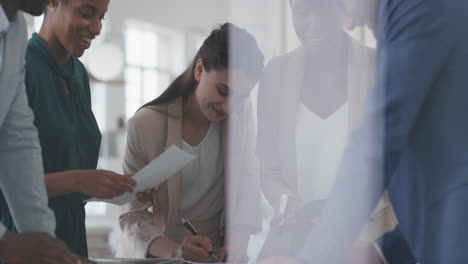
68	133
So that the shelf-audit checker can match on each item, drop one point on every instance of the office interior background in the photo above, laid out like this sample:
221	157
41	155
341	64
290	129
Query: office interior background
144	45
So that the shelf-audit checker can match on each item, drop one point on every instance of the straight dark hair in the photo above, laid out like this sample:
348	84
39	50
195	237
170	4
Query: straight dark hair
215	55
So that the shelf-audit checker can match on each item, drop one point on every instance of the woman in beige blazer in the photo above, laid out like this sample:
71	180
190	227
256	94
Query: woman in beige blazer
191	114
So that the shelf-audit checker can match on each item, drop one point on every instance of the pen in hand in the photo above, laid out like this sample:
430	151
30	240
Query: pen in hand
194	232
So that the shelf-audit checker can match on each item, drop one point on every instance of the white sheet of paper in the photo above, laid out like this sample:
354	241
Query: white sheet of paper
157	171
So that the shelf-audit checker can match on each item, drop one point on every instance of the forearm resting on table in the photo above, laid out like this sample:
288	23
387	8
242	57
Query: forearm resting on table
163	247
61	183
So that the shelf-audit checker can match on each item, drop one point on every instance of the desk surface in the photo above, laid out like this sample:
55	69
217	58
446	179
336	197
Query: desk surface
141	261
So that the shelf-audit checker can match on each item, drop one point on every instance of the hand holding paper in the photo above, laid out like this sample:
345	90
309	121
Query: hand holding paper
147	194
156	172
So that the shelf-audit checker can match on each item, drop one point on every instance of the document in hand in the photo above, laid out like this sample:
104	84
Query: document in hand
157	171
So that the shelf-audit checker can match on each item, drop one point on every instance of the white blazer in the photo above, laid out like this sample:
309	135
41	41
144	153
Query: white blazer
278	98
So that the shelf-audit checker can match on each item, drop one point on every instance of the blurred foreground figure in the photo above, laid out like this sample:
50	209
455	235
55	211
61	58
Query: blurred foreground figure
411	139
309	99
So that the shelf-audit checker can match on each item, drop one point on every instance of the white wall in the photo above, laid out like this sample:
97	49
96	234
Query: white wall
199	15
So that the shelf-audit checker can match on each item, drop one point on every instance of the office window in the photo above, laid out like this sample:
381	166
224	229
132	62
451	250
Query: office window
153	55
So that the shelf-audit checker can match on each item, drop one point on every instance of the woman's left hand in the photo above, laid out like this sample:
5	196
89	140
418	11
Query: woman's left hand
147	195
221	255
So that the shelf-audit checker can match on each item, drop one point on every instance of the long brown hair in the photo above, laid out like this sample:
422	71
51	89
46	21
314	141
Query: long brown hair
214	54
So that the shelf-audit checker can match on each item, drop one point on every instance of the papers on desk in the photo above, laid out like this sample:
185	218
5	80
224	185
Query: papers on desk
157	171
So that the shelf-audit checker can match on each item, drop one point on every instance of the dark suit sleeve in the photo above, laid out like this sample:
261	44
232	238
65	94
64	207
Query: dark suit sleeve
394	248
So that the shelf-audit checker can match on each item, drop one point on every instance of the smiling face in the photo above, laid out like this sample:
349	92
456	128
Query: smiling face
217	89
317	22
77	22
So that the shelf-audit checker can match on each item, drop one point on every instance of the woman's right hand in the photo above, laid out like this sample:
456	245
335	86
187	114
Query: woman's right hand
193	248
104	184
196	248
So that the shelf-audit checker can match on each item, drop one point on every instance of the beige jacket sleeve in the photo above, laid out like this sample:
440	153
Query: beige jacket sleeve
138	223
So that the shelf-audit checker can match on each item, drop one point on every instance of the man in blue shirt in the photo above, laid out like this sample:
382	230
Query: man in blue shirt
21	171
